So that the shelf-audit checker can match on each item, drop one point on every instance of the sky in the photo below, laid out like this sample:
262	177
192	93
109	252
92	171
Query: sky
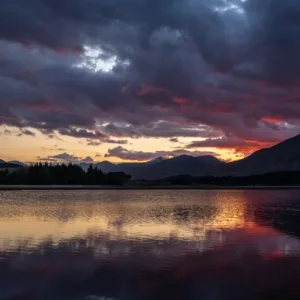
132	80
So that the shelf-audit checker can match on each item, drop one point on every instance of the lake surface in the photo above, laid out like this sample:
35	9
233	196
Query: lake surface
164	244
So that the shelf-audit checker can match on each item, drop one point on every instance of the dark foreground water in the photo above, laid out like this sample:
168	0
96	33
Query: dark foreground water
61	245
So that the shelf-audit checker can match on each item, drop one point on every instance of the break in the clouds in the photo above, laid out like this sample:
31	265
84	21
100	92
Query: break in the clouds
103	70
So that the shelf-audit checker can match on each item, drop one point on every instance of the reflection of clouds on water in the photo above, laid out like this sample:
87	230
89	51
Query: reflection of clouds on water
78	268
142	215
149	245
163	217
117	223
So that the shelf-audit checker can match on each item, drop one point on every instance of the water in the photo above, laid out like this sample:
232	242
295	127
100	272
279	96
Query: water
62	245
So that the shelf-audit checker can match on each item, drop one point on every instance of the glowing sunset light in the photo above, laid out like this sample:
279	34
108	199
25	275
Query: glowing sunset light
202	77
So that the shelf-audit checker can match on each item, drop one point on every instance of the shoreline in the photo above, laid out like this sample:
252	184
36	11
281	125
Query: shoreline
137	187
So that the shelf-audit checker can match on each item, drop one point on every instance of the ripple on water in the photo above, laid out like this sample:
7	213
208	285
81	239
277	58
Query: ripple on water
148	244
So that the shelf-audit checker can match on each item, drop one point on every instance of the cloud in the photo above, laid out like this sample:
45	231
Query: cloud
125	154
174	140
56	148
119	142
163	129
46	159
88	159
91	142
66	157
171	68
6	132
81	133
25	131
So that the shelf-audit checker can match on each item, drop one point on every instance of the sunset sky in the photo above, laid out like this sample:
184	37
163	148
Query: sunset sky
132	80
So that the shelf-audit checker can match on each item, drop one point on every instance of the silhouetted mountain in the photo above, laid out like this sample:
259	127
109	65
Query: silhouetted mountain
160	167
284	156
184	164
155	161
106	167
129	168
16	162
5	165
11	164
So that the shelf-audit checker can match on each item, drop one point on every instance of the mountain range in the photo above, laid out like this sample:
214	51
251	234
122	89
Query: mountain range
161	168
284	156
11	164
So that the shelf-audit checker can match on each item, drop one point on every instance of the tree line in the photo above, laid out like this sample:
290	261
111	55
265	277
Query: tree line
270	179
47	174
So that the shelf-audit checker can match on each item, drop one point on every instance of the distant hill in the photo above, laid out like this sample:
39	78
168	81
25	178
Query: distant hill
129	168
160	167
4	165
11	164
106	167
16	162
284	156
184	164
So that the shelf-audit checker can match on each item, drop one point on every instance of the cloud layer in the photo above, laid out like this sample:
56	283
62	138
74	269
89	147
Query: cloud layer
65	157
103	70
124	154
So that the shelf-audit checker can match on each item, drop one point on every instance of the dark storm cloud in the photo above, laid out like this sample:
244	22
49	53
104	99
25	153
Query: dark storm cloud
276	29
68	24
230	66
125	154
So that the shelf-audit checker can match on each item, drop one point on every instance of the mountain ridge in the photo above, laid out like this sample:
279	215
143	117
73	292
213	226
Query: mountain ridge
284	156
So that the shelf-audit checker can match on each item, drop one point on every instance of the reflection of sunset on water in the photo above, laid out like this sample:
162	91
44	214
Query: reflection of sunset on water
207	219
190	220
148	244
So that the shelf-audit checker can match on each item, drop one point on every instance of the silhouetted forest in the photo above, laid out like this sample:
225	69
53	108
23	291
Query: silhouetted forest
44	174
278	178
41	174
